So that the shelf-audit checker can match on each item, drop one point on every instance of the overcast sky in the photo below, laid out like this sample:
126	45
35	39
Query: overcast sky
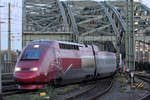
16	19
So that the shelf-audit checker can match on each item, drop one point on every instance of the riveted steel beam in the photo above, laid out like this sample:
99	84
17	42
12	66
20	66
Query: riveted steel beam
110	18
119	17
73	23
145	7
141	15
96	29
117	33
44	16
63	15
89	20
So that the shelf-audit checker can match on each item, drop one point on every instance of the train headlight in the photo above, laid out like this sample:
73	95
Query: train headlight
34	69
17	69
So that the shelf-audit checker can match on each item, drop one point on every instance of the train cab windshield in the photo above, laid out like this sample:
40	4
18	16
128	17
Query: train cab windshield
32	54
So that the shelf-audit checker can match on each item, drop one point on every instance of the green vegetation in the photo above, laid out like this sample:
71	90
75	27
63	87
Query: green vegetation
50	93
122	78
24	97
67	89
125	85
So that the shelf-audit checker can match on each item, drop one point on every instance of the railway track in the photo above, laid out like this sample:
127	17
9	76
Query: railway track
15	92
8	93
146	97
143	77
146	79
10	90
93	91
9	86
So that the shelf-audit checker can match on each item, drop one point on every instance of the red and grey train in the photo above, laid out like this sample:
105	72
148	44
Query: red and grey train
45	61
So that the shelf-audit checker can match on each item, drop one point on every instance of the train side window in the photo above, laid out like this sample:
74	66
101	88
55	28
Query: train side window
68	46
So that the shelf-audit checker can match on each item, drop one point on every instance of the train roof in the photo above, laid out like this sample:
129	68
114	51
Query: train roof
71	43
107	52
62	42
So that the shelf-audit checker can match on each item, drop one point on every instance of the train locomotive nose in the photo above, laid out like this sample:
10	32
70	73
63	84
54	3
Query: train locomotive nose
27	75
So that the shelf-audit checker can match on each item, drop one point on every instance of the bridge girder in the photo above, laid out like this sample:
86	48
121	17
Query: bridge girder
44	16
141	16
84	19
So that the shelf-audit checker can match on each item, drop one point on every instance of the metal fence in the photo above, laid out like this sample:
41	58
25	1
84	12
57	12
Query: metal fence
8	67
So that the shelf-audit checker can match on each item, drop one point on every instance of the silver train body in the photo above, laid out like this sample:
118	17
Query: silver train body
94	63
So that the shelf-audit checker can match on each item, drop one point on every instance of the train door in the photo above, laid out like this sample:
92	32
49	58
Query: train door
71	64
55	64
58	59
88	62
94	54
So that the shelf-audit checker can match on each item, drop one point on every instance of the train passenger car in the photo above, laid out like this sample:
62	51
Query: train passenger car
42	62
106	64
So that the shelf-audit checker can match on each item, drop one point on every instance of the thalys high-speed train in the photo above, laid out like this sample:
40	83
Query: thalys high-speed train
46	61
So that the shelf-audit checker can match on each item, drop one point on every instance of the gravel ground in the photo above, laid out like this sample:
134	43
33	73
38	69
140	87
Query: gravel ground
120	90
62	97
98	84
118	93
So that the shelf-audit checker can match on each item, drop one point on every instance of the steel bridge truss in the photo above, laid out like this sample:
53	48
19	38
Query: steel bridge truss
87	21
45	16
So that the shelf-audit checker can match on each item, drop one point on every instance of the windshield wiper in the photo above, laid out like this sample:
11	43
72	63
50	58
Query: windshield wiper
29	59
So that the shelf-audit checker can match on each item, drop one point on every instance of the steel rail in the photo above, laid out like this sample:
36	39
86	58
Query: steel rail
146	79
93	97
9	88
9	93
145	97
102	93
81	93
